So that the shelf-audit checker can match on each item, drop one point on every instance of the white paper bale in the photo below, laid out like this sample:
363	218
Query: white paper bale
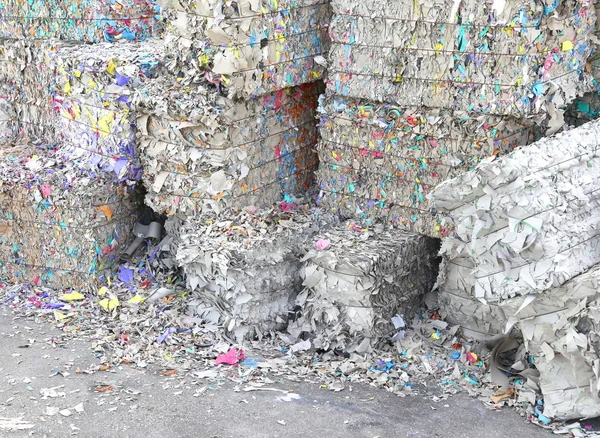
564	342
244	273
356	281
526	222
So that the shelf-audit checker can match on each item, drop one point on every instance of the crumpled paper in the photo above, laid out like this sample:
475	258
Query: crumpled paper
248	48
60	227
517	57
91	21
355	287
559	329
379	161
525	222
202	152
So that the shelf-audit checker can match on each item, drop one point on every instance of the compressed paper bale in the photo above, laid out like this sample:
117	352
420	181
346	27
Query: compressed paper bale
358	282
563	340
61	228
379	161
243	273
248	48
228	154
513	57
92	99
25	80
528	221
91	21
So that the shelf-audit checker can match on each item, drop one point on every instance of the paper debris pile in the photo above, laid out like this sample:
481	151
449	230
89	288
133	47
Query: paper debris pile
516	57
244	273
60	228
204	153
247	48
358	283
92	99
584	109
379	161
91	21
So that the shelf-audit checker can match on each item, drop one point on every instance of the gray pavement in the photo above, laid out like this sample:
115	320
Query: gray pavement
144	403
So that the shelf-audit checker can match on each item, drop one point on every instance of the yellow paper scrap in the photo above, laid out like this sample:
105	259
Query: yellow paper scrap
102	291
137	299
72	296
111	67
109	304
567	45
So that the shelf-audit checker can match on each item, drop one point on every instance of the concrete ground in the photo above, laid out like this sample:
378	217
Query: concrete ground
144	403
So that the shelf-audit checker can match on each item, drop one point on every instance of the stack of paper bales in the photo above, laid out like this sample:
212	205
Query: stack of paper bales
89	20
520	225
358	284
516	57
217	155
244	272
60	227
420	92
381	160
248	48
92	93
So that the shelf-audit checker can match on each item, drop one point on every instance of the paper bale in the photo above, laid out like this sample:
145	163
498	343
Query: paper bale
380	161
526	222
248	48
516	57
244	273
355	281
220	155
91	21
61	228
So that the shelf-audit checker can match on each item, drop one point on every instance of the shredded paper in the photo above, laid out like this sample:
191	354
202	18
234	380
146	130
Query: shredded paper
380	161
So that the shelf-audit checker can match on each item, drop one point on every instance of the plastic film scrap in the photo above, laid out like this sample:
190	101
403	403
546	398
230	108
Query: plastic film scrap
204	153
60	228
509	57
380	161
355	281
248	48
90	21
